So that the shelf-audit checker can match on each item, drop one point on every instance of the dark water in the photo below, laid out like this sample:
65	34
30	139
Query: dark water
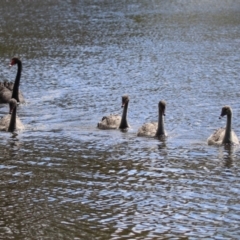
62	178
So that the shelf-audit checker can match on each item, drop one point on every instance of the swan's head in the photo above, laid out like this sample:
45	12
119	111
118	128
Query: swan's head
162	107
226	110
125	99
12	105
14	61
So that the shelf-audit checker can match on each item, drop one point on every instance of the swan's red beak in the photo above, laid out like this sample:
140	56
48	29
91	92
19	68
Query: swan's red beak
12	63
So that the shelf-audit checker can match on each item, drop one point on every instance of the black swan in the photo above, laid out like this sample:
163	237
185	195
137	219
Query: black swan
9	90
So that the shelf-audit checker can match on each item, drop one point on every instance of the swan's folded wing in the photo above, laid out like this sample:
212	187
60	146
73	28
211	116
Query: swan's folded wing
4	123
19	124
148	130
216	137
234	138
110	122
5	95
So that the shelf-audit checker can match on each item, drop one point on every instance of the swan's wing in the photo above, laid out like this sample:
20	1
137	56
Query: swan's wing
148	130
234	138
19	124
5	95
216	137
5	121
6	92
21	97
110	122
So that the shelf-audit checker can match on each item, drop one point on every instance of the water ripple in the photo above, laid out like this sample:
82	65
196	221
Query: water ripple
62	178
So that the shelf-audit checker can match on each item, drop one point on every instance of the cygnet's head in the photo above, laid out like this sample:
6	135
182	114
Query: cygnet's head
125	99
226	110
162	106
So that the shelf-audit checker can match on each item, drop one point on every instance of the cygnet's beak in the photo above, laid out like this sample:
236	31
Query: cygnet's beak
222	115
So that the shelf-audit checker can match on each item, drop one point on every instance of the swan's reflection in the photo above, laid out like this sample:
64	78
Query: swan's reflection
162	146
14	142
227	154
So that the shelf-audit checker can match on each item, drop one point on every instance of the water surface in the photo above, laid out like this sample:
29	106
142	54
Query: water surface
62	178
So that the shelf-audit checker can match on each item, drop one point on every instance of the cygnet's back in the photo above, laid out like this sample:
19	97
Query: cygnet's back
110	122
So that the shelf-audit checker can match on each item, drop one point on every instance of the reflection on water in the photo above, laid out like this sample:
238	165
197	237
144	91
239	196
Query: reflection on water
62	178
227	154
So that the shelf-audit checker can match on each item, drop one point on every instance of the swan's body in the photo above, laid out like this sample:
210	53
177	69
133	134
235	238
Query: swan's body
148	129
155	129
110	122
224	135
116	121
11	122
9	90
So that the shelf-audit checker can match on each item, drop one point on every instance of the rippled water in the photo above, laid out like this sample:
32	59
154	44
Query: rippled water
62	178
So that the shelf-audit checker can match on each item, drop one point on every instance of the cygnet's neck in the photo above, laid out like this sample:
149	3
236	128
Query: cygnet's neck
12	124
228	131
160	130
124	122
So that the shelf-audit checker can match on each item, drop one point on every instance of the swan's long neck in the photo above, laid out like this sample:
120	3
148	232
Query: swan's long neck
160	130
228	131
12	125
17	82
124	122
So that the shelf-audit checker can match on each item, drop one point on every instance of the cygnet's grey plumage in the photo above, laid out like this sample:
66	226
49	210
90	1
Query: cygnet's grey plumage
224	135
116	121
155	129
